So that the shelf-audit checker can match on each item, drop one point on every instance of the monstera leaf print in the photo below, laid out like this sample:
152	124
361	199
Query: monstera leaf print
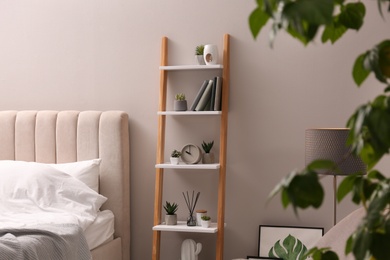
292	249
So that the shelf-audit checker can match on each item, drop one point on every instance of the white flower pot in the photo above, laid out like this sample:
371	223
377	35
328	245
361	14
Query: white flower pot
199	60
174	160
206	223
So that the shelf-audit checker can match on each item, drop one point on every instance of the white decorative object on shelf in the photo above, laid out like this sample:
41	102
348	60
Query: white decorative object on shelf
190	250
210	54
199	214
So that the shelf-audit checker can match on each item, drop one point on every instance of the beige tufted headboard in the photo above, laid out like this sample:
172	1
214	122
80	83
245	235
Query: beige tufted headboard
68	136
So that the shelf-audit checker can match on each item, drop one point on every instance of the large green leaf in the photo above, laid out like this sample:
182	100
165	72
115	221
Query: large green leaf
322	165
333	32
345	187
301	189
292	249
305	191
314	12
380	246
321	254
384	58
257	20
352	15
359	72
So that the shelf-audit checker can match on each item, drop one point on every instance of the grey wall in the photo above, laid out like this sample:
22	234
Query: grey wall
105	55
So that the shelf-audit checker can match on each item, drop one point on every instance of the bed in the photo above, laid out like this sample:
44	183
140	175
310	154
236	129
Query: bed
63	137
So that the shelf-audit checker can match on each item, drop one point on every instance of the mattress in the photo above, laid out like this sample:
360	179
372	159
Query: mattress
101	230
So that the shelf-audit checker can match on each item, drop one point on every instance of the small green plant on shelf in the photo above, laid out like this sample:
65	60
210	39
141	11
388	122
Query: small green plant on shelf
171	208
180	97
206	218
175	154
199	49
205	221
207	146
180	102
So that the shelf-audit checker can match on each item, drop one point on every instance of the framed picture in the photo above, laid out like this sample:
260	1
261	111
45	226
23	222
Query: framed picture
287	242
260	257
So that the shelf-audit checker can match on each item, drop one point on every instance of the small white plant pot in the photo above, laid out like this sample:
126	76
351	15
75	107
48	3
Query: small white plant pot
174	160
206	223
171	220
199	59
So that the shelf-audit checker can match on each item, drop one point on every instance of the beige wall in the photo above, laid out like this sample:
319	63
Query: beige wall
105	55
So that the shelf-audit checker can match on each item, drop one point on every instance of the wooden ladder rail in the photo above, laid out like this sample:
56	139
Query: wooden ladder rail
160	150
223	148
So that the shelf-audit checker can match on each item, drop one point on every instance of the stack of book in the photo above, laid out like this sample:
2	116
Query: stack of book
209	96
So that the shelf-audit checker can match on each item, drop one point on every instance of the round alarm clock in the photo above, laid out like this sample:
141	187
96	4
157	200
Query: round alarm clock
191	154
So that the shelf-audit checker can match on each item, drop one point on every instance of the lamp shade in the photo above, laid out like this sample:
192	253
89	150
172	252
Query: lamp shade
331	144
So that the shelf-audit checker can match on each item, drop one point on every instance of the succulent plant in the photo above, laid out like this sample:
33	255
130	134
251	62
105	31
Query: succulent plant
180	97
207	146
199	50
170	209
175	154
205	218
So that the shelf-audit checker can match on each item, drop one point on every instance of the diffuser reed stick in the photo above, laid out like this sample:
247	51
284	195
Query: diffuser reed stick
191	203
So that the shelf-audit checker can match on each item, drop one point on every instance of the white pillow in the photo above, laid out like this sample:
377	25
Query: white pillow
34	188
85	171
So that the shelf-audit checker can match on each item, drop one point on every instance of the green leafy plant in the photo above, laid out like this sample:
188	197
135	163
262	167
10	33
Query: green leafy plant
199	49
205	218
369	125
171	209
207	146
302	19
175	154
292	249
180	97
376	60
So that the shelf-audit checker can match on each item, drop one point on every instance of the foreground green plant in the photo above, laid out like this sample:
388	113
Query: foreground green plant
369	125
170	208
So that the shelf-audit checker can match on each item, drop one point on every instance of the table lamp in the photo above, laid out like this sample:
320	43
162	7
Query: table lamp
331	144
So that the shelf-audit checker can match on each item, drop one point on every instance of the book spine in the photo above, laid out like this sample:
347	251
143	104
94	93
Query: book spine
218	94
212	99
205	97
199	95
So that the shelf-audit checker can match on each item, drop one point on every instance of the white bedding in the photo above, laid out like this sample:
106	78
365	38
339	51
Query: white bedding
101	230
34	194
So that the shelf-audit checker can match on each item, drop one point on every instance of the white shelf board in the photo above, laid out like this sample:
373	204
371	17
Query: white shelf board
168	165
192	67
189	113
182	227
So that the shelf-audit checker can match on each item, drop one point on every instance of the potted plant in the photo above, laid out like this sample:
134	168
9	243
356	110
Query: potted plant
175	155
206	220
208	156
170	210
199	55
369	134
180	103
